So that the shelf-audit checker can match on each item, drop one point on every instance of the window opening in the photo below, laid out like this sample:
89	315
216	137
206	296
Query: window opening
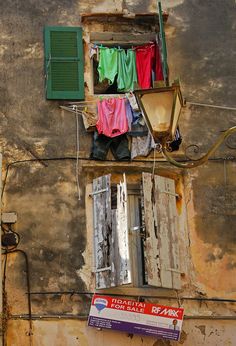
152	74
137	238
126	252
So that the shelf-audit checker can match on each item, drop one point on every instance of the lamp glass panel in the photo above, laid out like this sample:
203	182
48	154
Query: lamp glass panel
177	111
158	107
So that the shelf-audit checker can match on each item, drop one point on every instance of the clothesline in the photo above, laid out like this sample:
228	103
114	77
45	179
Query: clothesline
101	46
84	103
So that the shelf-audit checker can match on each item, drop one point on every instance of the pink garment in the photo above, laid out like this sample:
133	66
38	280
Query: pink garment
112	120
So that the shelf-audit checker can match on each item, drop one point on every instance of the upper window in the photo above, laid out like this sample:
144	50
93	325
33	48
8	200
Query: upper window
64	63
136	233
125	67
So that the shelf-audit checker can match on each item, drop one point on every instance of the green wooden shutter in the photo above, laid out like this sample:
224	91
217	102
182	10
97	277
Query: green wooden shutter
162	36
64	63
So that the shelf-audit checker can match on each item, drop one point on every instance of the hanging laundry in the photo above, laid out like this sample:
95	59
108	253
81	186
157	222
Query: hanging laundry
108	64
148	62
141	146
118	145
175	144
132	100
145	56
138	129
93	51
127	74
112	119
129	114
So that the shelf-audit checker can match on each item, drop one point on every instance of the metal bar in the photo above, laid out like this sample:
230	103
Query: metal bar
205	157
211	106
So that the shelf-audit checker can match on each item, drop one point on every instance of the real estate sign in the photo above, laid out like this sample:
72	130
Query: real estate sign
136	317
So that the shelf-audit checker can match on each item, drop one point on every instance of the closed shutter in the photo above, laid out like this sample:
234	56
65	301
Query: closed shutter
111	248
161	246
64	63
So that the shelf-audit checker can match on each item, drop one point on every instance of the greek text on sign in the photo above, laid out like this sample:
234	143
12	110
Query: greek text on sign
136	317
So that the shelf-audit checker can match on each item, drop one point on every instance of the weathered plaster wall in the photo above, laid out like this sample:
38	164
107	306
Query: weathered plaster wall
74	333
51	220
200	39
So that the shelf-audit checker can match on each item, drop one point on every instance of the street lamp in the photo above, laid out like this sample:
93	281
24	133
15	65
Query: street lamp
161	108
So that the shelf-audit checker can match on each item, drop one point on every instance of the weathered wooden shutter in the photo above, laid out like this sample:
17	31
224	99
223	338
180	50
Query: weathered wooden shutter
161	246
111	248
64	63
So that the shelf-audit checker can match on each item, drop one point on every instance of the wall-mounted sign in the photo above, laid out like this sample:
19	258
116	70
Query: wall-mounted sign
136	317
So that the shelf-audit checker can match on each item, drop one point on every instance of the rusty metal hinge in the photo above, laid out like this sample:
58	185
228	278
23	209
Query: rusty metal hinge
171	193
102	269
174	270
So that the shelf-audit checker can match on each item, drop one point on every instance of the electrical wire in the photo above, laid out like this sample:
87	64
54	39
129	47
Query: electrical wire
88	293
5	316
162	161
85	317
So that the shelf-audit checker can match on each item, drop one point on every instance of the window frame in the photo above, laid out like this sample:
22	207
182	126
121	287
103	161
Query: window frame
139	277
116	39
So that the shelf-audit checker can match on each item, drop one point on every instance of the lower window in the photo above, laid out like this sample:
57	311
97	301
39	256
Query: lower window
136	233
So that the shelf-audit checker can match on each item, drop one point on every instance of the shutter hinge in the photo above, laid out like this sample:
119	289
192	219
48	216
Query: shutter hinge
102	269
174	270
171	193
98	192
137	228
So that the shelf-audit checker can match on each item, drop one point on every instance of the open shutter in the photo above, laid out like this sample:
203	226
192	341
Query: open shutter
161	246
102	231
111	248
122	260
64	63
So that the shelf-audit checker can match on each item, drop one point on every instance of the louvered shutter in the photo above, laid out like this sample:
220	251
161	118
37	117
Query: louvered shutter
111	248
64	63
161	246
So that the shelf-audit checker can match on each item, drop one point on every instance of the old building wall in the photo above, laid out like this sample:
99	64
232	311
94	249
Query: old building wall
74	333
55	231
